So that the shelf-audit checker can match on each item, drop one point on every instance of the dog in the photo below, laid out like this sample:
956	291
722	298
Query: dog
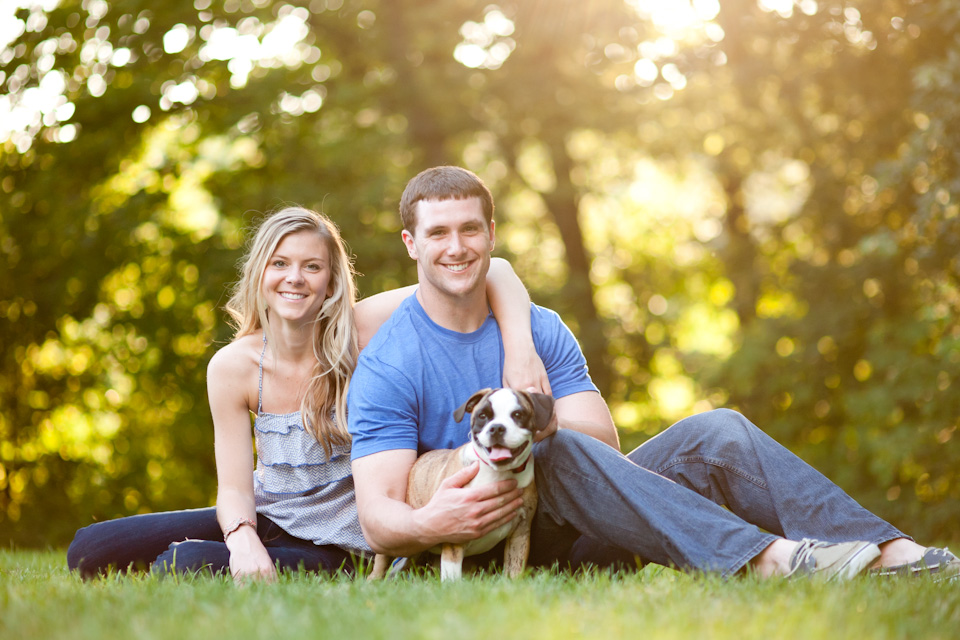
502	426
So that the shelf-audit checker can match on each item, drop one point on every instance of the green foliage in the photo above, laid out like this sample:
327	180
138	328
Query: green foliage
857	376
769	220
38	599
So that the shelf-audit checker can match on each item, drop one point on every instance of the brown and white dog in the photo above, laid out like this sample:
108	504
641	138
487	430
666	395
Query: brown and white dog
502	425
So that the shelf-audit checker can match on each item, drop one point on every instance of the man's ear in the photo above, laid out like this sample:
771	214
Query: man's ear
411	245
468	406
493	235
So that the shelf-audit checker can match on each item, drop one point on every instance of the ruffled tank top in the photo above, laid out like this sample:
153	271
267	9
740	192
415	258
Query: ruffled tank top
308	494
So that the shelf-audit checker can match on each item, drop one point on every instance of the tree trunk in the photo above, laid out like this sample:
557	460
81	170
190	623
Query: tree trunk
739	255
563	204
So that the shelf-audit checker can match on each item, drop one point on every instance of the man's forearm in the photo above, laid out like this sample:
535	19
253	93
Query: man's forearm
454	513
392	528
604	433
389	524
587	413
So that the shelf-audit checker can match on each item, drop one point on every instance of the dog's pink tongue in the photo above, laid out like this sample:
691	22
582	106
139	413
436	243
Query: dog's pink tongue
500	453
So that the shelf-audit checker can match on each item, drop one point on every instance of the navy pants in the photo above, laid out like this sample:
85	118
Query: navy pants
188	542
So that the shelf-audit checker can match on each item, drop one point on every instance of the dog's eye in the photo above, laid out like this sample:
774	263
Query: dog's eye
484	416
517	415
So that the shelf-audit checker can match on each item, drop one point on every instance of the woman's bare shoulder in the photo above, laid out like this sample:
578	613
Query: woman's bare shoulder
237	358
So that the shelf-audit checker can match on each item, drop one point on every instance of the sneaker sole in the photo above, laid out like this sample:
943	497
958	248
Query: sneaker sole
936	574
946	569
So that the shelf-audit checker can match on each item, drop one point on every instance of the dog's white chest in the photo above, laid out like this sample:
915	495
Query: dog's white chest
487	475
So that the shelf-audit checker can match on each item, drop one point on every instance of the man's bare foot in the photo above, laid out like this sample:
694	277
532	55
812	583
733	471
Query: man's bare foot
775	559
897	552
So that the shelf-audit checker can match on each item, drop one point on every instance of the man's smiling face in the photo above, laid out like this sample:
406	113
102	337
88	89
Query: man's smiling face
451	244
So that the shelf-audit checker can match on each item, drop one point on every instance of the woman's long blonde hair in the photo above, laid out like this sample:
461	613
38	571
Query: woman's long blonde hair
324	405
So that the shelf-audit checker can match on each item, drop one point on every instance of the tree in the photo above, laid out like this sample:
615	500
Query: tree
728	204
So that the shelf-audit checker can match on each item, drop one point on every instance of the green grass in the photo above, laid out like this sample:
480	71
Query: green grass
40	599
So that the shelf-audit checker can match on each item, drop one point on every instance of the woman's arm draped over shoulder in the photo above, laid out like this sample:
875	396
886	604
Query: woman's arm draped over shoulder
510	302
372	312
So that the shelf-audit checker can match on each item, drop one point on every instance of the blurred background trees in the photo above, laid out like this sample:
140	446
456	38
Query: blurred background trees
746	203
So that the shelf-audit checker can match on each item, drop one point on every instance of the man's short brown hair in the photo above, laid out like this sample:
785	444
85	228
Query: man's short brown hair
443	183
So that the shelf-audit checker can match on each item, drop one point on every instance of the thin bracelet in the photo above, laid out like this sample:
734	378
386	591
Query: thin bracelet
236	524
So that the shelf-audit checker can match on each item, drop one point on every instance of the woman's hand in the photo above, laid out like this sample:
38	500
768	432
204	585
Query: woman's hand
523	369
249	559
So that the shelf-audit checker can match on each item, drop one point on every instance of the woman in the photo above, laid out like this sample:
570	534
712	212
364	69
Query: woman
289	364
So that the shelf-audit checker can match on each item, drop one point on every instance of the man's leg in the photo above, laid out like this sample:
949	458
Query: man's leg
722	456
587	486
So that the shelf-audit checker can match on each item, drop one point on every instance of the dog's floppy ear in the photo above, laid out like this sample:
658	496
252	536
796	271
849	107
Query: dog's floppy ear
542	409
467	407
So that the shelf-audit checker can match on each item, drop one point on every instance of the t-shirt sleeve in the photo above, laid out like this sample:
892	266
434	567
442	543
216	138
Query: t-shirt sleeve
382	409
561	354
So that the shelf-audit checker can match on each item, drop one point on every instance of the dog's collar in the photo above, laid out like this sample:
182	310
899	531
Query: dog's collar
517	470
523	466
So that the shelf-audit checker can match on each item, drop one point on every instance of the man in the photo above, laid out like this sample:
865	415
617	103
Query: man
661	503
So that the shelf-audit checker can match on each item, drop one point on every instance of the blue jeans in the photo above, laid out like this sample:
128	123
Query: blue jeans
188	542
664	502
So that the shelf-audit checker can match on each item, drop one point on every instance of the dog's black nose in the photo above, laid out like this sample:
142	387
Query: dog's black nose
497	430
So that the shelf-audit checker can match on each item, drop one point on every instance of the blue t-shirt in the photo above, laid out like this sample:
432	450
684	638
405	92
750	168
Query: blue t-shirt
414	374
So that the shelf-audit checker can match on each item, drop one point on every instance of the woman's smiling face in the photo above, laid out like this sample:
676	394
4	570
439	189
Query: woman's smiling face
296	279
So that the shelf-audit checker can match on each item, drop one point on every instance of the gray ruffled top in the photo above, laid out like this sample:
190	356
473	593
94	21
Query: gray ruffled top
295	484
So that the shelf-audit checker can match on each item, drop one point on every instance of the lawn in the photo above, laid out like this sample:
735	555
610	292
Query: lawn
40	599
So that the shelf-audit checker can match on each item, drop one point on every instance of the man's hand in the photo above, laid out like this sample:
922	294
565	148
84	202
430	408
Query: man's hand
458	514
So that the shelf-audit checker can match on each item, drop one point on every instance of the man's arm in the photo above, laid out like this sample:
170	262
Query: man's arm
579	406
454	514
587	413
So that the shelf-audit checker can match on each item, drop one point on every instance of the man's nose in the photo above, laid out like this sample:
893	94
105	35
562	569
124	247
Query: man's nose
456	243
